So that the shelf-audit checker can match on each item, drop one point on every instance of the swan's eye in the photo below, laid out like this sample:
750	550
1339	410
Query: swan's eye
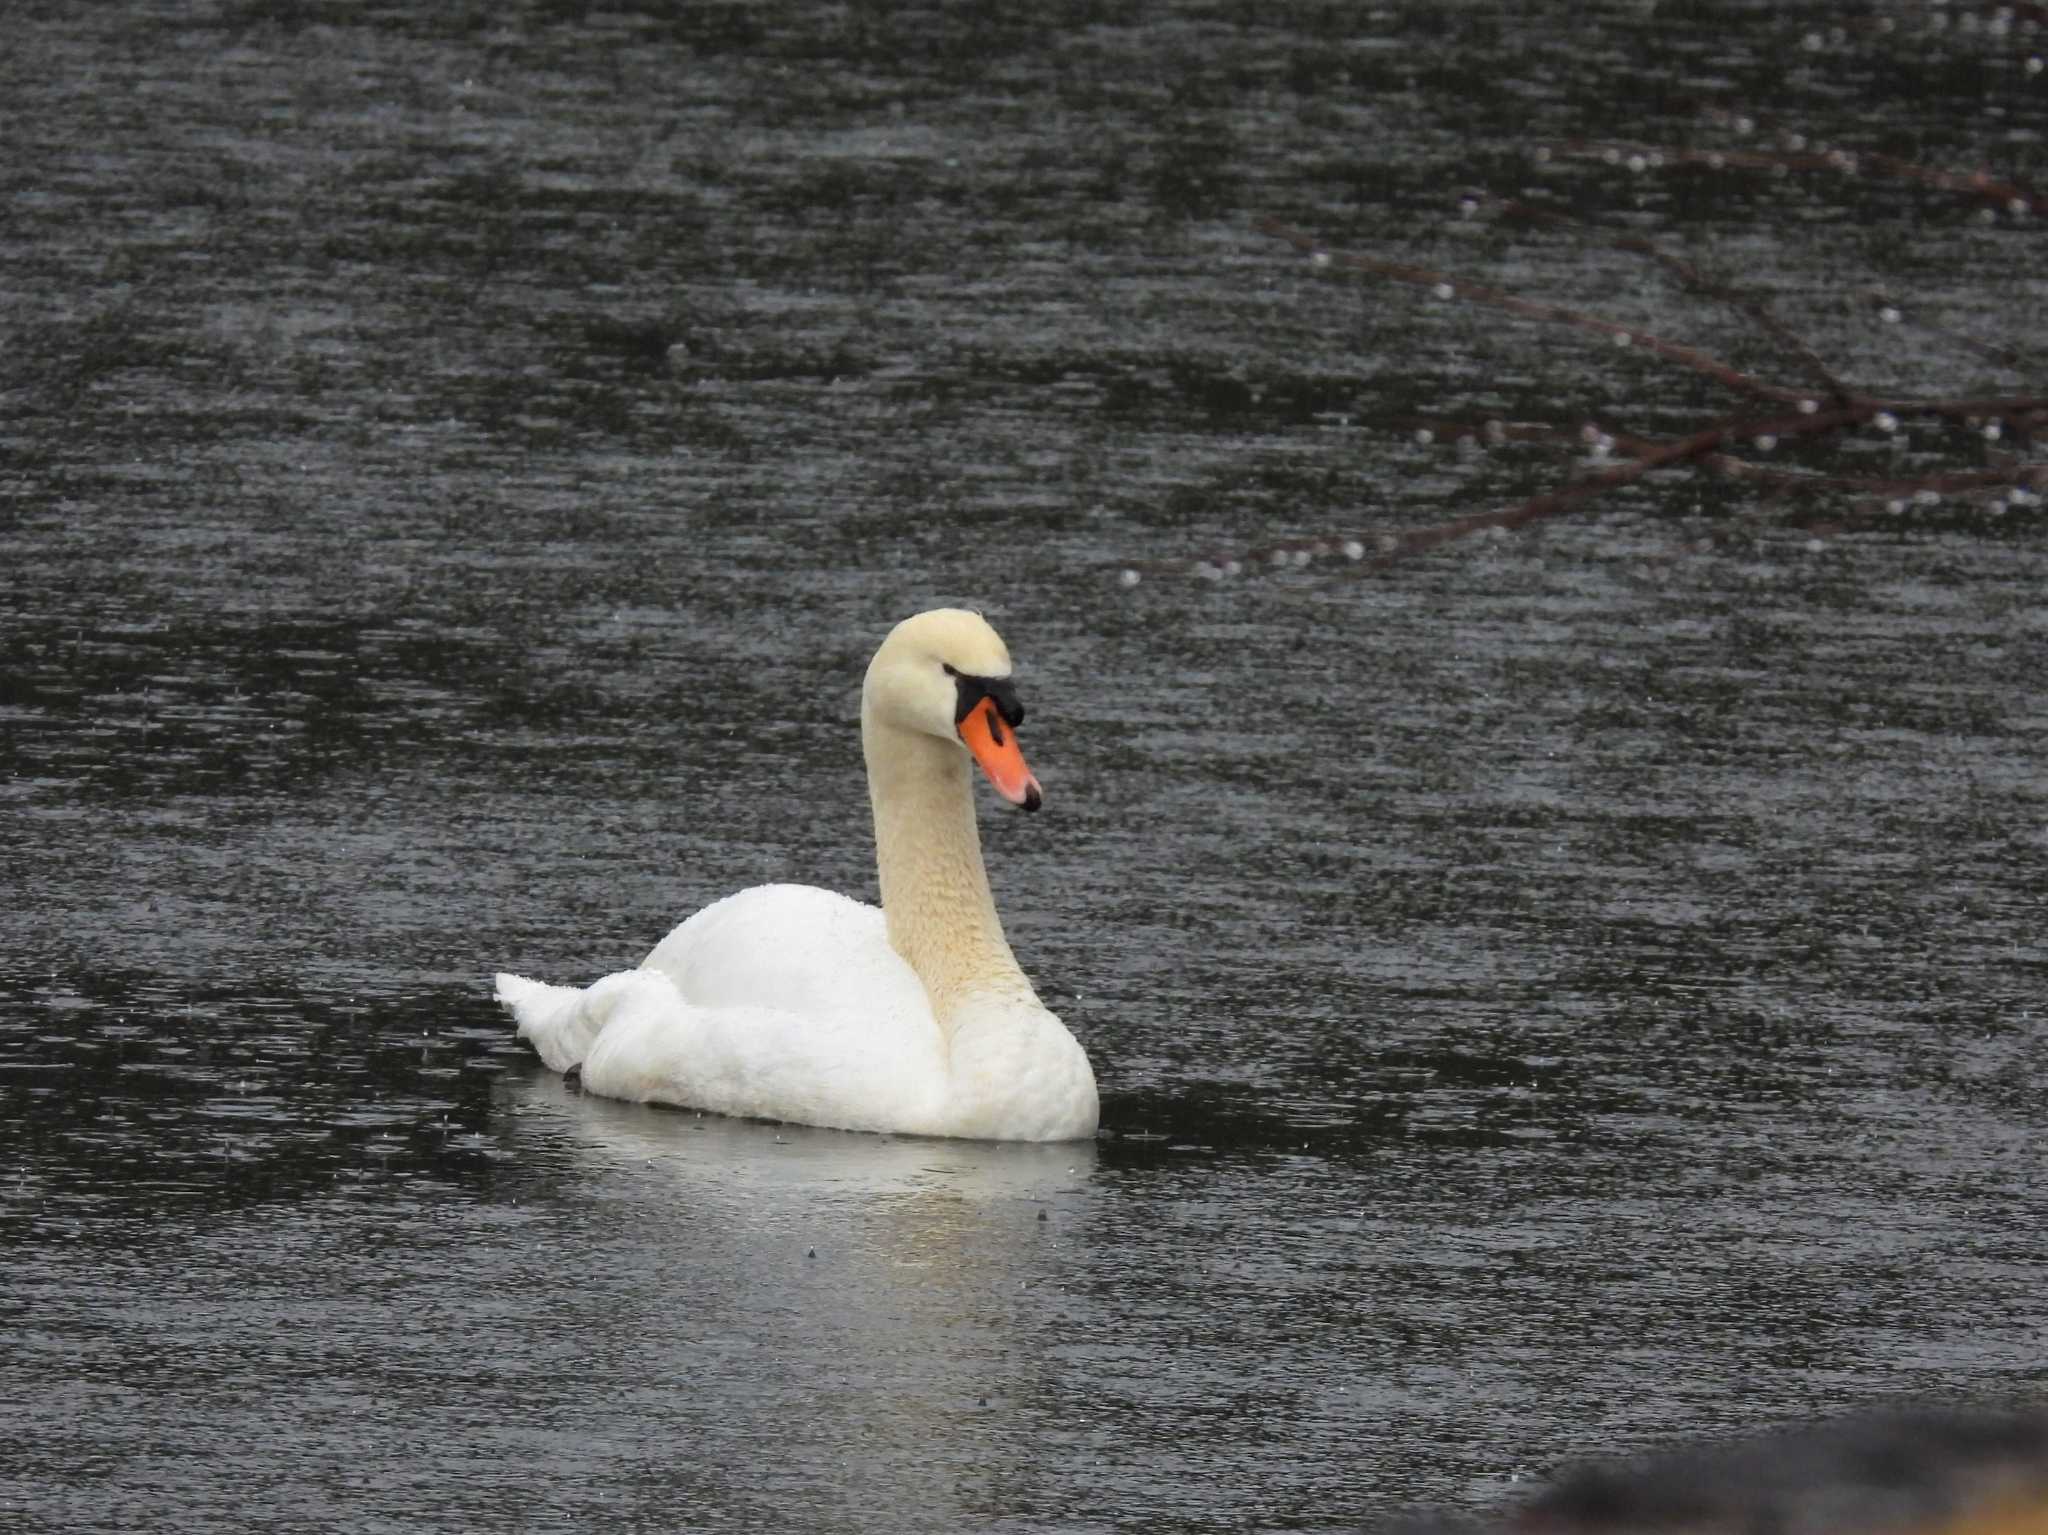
970	691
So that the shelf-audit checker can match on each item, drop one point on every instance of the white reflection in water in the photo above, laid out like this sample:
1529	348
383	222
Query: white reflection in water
861	1300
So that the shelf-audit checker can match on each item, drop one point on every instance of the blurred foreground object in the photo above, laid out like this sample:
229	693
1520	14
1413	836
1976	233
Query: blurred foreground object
1930	1472
1921	1472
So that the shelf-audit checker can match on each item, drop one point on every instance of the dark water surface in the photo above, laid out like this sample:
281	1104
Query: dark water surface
1552	995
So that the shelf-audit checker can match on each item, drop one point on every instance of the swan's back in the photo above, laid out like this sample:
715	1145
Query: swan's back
795	949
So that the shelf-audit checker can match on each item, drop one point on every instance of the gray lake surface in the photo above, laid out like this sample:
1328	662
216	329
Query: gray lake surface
1555	995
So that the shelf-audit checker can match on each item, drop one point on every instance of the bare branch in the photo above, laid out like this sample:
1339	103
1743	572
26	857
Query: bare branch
1978	186
1494	298
1699	282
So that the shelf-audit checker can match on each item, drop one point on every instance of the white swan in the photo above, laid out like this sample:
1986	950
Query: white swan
794	1003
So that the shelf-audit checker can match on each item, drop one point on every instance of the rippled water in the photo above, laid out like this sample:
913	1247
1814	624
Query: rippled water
1551	995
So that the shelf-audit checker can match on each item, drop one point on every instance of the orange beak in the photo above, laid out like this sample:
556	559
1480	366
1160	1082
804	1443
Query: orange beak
994	745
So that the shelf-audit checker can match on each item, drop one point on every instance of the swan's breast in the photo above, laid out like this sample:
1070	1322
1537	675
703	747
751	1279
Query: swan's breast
1018	1073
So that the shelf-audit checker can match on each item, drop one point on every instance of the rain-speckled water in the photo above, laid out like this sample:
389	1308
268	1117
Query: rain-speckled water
1552	995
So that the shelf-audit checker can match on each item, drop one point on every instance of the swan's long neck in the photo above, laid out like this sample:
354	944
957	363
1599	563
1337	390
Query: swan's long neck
941	914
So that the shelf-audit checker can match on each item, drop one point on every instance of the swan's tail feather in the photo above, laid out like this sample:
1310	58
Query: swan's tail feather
557	1019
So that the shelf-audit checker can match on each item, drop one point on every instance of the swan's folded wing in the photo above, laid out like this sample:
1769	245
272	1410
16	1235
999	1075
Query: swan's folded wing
844	1070
793	948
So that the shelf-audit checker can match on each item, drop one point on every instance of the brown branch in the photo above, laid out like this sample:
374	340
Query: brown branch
1892	312
1553	503
1754	308
1699	282
1645	456
1682	450
1492	433
1706	447
1979	186
2024	476
2014	472
2030	411
1495	298
1734	378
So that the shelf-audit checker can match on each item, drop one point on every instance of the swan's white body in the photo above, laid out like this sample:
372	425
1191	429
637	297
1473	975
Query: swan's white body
794	1003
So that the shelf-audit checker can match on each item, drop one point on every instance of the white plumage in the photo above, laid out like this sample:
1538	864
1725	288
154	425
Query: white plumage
793	1003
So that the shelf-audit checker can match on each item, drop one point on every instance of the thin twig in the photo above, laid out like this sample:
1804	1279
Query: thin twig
1988	407
1980	186
1707	447
1699	282
1892	312
1494	298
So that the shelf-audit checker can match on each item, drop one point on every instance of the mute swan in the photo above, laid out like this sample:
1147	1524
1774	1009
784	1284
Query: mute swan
794	1003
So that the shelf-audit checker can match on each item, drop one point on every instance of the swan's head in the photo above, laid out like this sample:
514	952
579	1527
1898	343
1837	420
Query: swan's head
946	673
